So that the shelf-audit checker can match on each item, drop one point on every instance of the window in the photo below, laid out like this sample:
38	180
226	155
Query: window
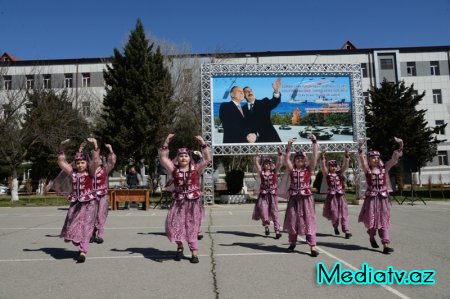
68	80
434	68
7	82
86	109
366	96
47	83
411	69
364	70
86	79
442	128
442	158
30	82
386	64
437	96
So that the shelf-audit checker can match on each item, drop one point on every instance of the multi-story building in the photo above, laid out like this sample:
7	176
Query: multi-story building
428	68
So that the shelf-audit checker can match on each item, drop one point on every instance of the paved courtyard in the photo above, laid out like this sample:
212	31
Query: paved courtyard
236	259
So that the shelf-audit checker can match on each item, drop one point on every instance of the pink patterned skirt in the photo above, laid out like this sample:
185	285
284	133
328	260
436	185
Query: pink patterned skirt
375	212
184	220
266	209
300	218
80	221
335	207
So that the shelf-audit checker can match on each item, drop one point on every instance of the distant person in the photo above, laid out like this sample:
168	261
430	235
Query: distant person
133	181
231	116
258	112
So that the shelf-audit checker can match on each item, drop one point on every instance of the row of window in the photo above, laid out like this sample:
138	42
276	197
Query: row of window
47	81
437	96
411	70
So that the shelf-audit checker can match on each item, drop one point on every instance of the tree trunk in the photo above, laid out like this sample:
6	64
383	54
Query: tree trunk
15	187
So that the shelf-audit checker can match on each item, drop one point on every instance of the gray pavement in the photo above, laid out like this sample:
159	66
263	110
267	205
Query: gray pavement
236	260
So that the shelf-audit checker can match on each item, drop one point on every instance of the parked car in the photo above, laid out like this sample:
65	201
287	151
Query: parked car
4	190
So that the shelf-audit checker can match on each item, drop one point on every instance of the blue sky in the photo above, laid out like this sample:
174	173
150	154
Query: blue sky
54	29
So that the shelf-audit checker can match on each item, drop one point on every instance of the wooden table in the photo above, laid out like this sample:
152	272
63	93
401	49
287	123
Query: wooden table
121	195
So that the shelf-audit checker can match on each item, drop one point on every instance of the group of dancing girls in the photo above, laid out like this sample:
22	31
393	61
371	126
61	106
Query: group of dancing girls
87	179
300	218
88	203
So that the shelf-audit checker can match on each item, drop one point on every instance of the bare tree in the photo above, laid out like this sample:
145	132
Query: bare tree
31	117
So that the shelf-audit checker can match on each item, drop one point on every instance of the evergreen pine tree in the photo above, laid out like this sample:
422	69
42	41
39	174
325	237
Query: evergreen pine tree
392	111
138	106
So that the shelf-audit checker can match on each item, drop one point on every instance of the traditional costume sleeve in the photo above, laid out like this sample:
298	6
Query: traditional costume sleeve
164	159
287	159
345	164
206	153
323	166
257	165
66	167
112	158
315	156
279	162
363	160
96	162
394	159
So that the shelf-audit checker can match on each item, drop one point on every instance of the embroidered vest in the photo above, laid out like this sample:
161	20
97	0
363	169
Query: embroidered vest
186	184
101	182
82	189
268	182
300	182
334	184
376	183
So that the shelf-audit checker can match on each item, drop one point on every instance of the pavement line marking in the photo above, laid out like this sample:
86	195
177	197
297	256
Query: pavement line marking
386	287
124	227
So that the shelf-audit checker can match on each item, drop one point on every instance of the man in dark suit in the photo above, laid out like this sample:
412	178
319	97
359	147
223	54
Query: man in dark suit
257	113
231	116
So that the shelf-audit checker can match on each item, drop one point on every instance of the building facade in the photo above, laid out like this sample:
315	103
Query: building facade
428	68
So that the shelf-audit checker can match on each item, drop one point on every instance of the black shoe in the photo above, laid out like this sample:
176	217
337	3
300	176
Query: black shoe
199	237
267	232
348	235
179	255
277	236
194	259
374	243
92	239
314	253
336	231
81	258
291	248
99	240
388	250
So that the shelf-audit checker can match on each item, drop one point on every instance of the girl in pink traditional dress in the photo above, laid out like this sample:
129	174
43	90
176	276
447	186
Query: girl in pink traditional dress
375	212
300	215
185	213
101	188
266	207
80	219
335	207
